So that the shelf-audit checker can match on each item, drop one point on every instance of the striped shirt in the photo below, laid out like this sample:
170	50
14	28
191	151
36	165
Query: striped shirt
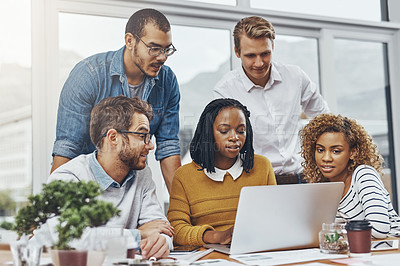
368	199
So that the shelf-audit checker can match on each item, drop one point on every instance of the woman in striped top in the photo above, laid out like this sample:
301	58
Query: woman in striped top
336	148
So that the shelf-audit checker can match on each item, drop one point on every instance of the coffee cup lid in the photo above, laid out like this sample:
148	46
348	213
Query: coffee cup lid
357	225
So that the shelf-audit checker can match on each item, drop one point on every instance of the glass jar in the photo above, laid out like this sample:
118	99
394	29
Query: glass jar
333	239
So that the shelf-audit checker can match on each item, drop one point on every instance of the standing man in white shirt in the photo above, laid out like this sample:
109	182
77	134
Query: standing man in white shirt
276	95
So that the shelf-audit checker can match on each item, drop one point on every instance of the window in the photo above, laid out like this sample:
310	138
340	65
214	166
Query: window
300	51
15	106
219	2
360	84
83	35
202	59
360	88
350	9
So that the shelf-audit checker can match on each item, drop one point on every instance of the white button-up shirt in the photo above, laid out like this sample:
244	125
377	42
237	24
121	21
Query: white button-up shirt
275	111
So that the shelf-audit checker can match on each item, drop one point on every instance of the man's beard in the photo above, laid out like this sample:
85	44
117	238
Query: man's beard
139	62
129	158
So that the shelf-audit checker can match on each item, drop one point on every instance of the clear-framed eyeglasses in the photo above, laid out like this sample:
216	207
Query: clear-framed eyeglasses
145	136
155	51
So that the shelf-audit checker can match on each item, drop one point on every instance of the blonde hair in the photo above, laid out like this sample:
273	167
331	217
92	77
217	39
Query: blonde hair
254	27
355	134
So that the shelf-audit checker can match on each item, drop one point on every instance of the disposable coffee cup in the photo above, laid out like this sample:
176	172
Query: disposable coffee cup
359	238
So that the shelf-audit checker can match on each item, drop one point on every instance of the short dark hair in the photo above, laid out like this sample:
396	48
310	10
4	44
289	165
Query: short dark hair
141	18
116	113
202	146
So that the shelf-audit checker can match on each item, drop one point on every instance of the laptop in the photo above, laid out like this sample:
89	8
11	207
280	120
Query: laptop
282	217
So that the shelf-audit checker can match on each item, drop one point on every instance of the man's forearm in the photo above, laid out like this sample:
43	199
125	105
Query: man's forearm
168	168
58	161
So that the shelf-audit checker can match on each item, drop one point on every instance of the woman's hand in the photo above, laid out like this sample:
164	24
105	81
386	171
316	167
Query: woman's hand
218	237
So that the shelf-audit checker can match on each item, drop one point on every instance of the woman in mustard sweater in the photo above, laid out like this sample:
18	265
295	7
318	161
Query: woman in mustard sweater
205	192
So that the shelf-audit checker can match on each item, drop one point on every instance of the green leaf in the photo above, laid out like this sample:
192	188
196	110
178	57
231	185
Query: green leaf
337	236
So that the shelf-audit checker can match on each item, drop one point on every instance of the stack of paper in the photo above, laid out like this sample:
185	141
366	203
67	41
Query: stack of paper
284	257
189	257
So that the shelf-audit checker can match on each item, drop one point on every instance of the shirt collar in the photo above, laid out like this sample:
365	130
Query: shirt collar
235	171
248	84
117	68
275	76
117	63
104	180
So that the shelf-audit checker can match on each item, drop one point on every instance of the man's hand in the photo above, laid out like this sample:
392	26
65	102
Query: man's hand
154	245
156	227
218	237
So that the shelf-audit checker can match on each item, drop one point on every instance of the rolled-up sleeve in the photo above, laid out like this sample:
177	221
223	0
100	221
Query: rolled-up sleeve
167	133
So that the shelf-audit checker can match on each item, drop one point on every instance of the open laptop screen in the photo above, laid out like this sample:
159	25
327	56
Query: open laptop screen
283	217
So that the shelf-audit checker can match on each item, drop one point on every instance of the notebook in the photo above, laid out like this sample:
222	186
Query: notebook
282	217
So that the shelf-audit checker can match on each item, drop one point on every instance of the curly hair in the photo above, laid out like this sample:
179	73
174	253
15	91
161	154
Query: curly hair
202	144
355	134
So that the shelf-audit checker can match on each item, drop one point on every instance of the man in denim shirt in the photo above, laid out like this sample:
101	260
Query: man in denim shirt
135	70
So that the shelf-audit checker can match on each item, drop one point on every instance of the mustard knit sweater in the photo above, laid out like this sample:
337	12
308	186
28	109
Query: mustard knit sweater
198	203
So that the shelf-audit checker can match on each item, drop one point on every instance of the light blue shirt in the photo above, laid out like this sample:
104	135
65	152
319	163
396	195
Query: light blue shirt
102	178
136	197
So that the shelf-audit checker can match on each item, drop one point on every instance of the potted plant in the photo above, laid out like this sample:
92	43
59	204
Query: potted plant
76	207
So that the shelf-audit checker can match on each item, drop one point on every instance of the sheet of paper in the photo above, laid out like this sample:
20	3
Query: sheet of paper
386	259
191	257
313	264
350	261
180	253
215	262
374	260
283	257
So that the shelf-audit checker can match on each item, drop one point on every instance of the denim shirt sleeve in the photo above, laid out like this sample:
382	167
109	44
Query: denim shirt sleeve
166	114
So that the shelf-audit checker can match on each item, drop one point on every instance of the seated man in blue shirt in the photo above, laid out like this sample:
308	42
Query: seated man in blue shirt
137	69
120	129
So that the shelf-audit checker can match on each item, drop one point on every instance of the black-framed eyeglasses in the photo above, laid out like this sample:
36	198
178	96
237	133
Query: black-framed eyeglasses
146	136
155	51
